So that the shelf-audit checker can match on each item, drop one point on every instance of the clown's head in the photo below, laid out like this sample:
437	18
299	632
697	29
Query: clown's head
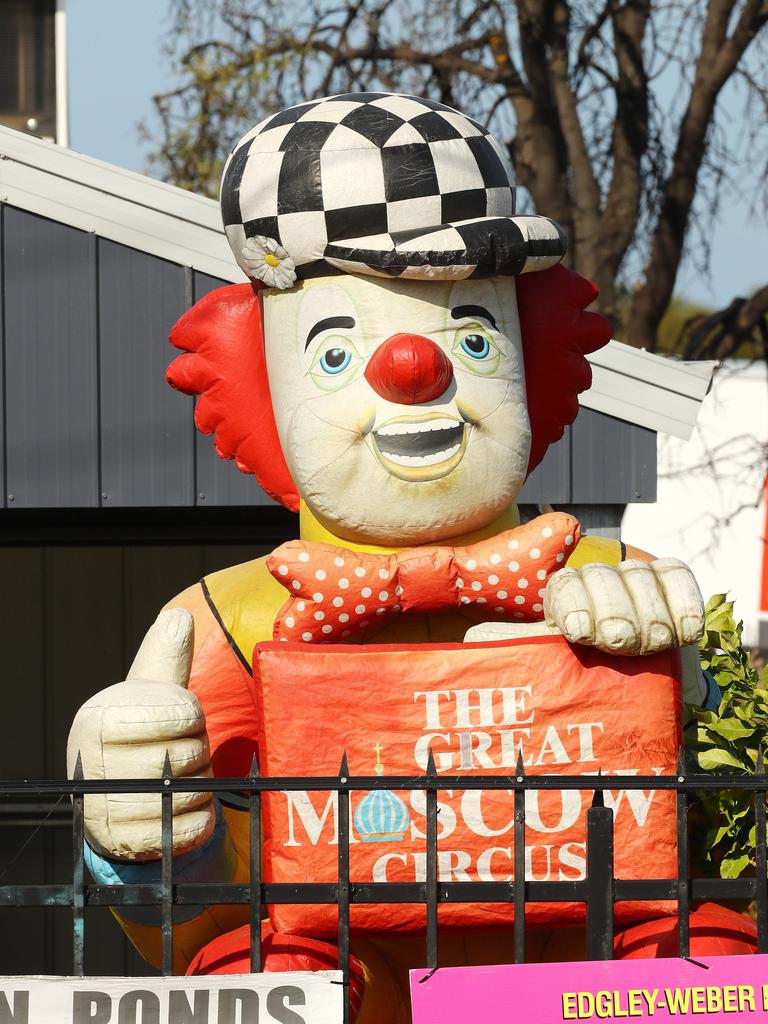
382	367
400	406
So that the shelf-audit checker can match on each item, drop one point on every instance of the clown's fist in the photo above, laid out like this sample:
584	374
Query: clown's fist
123	732
631	608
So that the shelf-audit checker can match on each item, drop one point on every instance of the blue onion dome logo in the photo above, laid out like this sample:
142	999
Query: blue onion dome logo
381	816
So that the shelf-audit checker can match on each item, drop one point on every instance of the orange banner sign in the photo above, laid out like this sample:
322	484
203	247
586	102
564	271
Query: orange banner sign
571	710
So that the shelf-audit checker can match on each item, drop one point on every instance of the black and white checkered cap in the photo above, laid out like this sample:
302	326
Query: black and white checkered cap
382	184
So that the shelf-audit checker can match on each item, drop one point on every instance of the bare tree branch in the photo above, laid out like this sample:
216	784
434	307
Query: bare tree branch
723	334
718	58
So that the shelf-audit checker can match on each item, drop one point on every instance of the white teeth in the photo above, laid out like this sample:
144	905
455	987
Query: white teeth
388	429
422	460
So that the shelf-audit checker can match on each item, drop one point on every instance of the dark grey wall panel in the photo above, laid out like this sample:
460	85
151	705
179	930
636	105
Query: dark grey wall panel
599	461
147	447
611	461
550	482
602	520
219	481
3	488
51	391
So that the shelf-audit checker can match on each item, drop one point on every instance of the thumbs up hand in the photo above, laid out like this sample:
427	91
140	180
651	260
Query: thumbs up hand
123	732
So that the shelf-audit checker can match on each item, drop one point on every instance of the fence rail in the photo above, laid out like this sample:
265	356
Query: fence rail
599	890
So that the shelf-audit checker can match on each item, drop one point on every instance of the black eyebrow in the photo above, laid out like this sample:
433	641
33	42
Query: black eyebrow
459	311
330	321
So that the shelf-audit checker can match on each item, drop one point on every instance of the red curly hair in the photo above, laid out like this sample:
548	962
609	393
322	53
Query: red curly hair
224	362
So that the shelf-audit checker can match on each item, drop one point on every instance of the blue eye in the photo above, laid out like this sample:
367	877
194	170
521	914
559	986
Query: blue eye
335	360
476	346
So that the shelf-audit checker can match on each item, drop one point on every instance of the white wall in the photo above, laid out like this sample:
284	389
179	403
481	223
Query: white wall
710	509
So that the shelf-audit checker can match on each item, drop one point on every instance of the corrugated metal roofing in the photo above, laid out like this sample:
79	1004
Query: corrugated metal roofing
652	391
120	205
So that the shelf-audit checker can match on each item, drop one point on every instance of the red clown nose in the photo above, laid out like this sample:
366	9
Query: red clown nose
409	369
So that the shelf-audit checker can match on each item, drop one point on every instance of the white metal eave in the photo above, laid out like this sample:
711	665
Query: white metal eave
120	205
652	391
184	228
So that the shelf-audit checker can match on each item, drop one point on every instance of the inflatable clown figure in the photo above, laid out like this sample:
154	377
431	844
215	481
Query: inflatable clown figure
405	351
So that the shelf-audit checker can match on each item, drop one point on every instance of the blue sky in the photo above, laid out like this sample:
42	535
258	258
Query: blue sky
116	65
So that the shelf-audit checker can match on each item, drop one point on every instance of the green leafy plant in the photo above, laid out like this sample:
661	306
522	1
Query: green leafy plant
727	741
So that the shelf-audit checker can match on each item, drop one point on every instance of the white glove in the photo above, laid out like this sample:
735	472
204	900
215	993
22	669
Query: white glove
123	732
631	608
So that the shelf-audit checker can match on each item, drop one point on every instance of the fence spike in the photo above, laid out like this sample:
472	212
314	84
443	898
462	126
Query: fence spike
760	762
431	770
254	774
167	770
78	772
344	769
598	800
680	762
600	880
520	767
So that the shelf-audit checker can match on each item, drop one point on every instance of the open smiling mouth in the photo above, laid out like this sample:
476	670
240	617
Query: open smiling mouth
422	447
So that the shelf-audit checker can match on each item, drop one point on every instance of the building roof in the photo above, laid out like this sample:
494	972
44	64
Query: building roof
120	205
134	210
652	391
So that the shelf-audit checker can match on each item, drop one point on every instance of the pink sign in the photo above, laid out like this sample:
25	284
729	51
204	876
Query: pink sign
708	989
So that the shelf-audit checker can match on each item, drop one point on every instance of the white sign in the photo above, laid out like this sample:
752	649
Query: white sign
290	998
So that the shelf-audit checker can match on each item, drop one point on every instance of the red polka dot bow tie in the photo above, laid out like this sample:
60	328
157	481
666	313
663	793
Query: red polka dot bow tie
337	594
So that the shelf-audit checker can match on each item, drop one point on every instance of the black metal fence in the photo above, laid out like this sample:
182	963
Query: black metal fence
599	890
